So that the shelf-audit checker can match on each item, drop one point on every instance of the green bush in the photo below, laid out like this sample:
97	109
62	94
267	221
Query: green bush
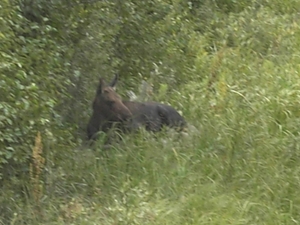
230	67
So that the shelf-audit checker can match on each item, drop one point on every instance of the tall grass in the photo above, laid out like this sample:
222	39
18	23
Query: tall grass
238	163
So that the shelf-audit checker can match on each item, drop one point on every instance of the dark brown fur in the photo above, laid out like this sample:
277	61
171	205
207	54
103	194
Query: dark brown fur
108	108
153	116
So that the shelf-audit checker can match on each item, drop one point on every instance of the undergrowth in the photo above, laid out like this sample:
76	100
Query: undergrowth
237	163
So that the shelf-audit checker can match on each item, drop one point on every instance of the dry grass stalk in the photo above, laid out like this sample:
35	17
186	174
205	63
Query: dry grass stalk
36	167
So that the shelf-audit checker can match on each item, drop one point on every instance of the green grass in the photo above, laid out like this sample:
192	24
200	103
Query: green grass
237	170
237	164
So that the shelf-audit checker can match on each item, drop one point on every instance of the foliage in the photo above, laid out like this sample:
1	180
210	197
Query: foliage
34	82
230	67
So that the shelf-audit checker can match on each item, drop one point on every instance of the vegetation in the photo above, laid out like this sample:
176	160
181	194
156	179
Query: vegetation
232	69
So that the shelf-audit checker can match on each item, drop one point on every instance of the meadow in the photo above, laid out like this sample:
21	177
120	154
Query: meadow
237	163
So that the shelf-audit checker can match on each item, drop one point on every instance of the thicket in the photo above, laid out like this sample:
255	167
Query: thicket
231	67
